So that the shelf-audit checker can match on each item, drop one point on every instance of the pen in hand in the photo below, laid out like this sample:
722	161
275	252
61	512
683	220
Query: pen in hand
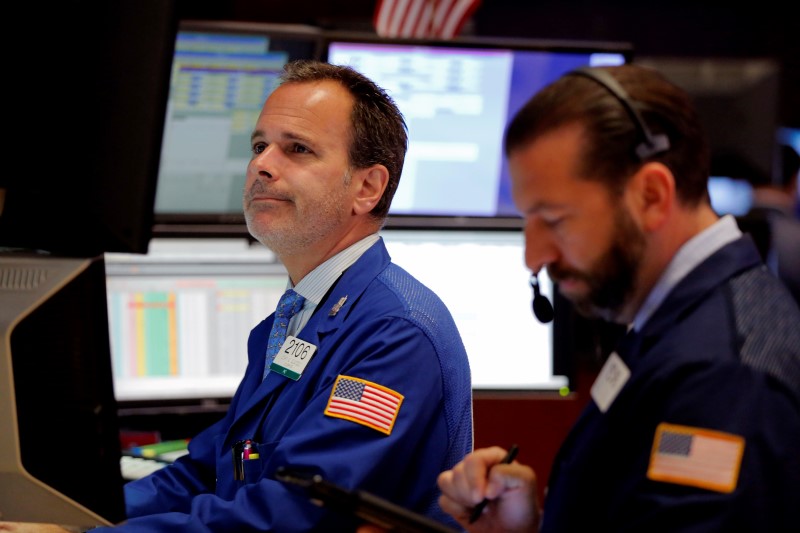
478	509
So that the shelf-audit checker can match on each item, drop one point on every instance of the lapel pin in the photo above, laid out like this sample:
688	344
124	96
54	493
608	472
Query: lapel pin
338	305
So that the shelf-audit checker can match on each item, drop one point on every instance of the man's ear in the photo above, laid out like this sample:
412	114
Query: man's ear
652	194
370	183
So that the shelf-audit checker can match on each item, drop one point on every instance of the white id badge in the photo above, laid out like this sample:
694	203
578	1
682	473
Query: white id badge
293	357
609	382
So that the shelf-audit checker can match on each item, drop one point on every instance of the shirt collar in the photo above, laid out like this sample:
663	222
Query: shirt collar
692	253
316	283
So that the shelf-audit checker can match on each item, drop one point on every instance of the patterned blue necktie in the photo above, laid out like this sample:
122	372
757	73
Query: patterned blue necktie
288	306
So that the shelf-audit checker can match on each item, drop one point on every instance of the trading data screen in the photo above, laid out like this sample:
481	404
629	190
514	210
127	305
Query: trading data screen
219	83
457	103
179	317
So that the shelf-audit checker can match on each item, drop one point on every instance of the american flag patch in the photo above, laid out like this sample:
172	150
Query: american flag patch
697	457
366	403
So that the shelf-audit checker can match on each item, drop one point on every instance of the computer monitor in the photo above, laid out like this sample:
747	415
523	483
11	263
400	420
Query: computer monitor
482	278
91	90
90	94
457	98
59	436
180	317
221	75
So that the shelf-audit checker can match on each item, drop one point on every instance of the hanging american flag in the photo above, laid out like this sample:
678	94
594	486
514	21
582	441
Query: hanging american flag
364	402
696	457
435	19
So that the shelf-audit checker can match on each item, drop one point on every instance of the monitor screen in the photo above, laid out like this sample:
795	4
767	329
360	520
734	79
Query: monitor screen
221	75
457	99
90	91
179	317
475	272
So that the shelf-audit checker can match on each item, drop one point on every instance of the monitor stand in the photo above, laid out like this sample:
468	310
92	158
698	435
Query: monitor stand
59	440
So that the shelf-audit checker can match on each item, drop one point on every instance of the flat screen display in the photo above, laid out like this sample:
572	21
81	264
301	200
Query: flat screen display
482	278
457	100
179	316
457	97
221	75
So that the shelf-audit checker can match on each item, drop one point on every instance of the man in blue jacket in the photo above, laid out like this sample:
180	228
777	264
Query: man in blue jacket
694	422
370	386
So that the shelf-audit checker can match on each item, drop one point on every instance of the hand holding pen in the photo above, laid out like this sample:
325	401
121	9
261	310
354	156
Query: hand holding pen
488	491
478	509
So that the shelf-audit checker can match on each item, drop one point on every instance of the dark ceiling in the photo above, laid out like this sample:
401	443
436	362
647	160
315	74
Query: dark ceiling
681	28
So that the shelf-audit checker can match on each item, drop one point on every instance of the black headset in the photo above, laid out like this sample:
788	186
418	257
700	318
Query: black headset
648	146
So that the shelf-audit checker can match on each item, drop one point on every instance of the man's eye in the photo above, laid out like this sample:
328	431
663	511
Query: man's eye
259	147
553	222
300	149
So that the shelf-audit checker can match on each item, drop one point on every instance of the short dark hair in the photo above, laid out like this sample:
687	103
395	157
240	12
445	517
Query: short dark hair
379	132
611	135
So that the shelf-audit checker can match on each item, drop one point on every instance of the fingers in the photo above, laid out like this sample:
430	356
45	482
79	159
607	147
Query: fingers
452	497
508	478
466	482
510	488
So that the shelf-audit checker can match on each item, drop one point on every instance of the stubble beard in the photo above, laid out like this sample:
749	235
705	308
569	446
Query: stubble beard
293	234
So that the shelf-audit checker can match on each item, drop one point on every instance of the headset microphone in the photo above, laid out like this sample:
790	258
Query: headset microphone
542	308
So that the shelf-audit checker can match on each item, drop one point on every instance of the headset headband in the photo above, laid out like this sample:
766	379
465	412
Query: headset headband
651	144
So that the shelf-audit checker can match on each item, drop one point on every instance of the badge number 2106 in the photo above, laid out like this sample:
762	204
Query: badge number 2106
293	357
298	348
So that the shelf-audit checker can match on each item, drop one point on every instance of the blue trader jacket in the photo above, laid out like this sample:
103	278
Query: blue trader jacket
705	434
391	332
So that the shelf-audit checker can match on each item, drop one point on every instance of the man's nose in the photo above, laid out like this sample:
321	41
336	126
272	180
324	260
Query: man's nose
265	163
540	248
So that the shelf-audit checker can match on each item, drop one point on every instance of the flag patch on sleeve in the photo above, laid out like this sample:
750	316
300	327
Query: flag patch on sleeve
696	457
365	403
